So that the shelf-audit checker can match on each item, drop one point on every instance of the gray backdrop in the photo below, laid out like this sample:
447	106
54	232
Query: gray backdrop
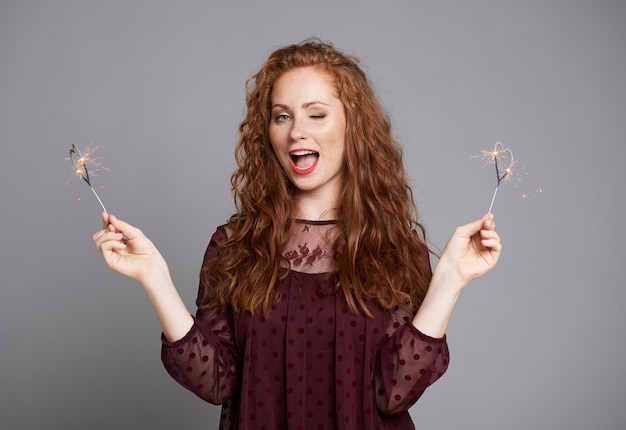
536	344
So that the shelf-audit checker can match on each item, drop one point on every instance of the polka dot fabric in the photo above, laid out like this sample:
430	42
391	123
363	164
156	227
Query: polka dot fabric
311	363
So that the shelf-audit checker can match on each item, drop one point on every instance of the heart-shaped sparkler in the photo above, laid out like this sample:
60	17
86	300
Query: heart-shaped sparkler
503	159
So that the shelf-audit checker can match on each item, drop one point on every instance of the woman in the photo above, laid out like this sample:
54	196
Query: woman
317	307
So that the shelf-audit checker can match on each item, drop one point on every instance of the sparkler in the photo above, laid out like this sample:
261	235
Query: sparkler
79	162
503	154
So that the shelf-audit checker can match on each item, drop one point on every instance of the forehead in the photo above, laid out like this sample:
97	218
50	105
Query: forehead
303	82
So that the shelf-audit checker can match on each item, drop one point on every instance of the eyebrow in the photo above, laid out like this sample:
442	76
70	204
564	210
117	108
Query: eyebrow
304	106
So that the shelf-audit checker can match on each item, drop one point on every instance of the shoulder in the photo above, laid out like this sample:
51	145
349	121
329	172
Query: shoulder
221	234
218	238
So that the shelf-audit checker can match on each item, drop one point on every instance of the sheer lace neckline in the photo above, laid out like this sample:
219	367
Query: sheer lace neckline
309	248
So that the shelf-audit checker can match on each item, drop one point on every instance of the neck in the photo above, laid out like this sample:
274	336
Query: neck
315	208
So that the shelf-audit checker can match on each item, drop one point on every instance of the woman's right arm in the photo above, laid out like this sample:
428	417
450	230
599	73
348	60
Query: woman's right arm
205	360
129	252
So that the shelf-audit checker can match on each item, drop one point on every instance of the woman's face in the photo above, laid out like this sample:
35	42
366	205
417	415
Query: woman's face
307	131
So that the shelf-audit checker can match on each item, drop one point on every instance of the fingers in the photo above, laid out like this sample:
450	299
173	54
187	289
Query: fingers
108	240
115	234
483	229
490	239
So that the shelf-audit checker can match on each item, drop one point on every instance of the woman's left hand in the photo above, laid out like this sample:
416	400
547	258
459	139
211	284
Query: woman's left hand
472	251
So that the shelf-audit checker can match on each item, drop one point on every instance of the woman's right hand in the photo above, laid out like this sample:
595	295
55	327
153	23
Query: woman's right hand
128	251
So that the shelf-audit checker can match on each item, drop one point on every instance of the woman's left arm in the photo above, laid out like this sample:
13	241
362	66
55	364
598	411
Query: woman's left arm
472	251
406	363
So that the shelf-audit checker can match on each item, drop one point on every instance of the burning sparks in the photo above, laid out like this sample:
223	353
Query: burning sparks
507	170
80	162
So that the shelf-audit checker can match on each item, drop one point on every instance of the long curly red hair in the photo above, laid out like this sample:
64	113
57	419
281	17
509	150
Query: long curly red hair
381	251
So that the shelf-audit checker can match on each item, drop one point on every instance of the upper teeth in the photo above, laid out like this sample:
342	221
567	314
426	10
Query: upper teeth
299	153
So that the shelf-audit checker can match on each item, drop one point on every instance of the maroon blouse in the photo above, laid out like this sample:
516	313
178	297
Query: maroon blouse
311	364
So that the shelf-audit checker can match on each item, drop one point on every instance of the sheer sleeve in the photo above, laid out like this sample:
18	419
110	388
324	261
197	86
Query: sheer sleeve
407	362
205	360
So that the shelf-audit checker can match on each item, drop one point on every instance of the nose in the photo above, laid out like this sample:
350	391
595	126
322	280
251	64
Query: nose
298	130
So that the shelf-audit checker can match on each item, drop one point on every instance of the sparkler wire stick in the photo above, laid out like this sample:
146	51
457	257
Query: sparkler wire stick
99	201
493	198
80	167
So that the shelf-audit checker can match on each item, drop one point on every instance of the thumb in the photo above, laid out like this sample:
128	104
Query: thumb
126	229
105	219
471	228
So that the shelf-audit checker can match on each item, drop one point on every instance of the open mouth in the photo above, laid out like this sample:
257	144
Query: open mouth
303	161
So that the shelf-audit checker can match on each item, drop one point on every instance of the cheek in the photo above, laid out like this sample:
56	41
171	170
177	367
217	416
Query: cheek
340	134
274	135
340	142
277	148
273	139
